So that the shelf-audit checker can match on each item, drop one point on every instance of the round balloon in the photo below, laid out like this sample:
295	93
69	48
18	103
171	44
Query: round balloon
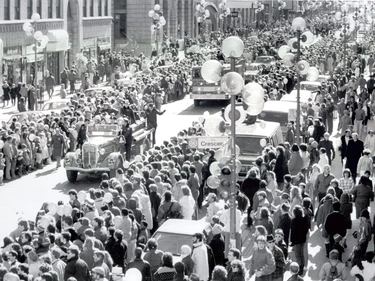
238	166
214	126
312	74
233	46
82	196
283	50
289	60
68	210
219	154
126	165
1	144
239	114
44	222
224	160
262	124
60	210
252	93
232	83
133	274
213	182
108	197
291	43
263	142
206	114
303	67
211	71
215	168
52	208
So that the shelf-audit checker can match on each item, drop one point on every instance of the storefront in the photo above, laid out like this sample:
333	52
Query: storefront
89	48
104	46
56	48
30	64
12	66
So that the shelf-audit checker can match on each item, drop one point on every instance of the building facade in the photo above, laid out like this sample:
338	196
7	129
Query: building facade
72	26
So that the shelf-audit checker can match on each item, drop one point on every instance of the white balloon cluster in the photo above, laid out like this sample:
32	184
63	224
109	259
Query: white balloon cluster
41	40
282	4
225	11
313	5
202	13
259	7
157	18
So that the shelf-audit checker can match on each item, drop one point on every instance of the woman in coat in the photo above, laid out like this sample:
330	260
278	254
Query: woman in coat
58	145
295	164
362	194
82	136
127	134
6	93
281	167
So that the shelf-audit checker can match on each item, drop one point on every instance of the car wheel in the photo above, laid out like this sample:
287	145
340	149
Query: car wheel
72	176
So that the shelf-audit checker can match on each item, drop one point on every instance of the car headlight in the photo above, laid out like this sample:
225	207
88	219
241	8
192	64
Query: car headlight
101	151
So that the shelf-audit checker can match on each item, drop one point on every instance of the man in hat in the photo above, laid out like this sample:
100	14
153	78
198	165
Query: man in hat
278	254
98	274
262	262
75	266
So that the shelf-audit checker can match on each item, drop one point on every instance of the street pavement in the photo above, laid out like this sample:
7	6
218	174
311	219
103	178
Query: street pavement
24	197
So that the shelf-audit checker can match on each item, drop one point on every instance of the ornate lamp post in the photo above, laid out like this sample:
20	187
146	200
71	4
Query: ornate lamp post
40	42
158	21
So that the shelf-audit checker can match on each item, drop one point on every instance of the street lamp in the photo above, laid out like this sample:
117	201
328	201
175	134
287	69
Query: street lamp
158	21
232	84
302	66
41	42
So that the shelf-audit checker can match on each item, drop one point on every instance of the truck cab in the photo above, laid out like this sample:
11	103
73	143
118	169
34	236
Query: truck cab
251	138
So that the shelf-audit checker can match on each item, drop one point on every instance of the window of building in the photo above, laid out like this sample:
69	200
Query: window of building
6	10
100	8
106	7
17	7
91	8
50	7
84	8
39	7
29	8
58	8
122	4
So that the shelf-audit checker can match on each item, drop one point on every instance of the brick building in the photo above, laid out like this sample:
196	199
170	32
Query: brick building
72	26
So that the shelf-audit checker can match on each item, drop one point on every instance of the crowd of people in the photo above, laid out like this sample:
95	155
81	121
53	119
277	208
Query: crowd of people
103	234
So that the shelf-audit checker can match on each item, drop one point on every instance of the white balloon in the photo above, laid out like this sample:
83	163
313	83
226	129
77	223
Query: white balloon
283	50
263	142
1	144
133	274
211	71
214	126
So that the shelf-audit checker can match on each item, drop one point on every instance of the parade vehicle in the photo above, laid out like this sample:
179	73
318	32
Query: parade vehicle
55	105
253	70
312	86
27	116
203	91
305	96
97	91
102	152
252	139
267	61
280	111
174	233
323	78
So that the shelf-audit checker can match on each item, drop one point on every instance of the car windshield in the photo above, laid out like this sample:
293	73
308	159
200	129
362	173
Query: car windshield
279	117
309	87
263	60
253	67
171	242
54	105
249	145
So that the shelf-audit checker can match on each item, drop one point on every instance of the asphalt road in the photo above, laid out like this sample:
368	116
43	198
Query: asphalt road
23	197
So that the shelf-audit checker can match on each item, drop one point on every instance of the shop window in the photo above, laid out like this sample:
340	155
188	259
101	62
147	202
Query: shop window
17	6
29	8
84	8
6	10
39	7
106	7
50	6
100	8
58	8
91	8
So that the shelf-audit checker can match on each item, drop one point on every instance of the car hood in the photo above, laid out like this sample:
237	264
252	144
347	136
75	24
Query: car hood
98	140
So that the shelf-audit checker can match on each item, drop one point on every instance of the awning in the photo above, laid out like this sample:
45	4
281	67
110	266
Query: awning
104	46
58	40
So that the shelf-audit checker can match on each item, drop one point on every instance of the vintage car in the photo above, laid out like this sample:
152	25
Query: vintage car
102	153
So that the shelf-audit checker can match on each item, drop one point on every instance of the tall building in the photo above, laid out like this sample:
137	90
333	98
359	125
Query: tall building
72	26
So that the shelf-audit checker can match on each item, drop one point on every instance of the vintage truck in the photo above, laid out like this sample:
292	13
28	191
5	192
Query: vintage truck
102	153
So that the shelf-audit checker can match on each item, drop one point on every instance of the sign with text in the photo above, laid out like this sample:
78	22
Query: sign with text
234	14
240	4
207	142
